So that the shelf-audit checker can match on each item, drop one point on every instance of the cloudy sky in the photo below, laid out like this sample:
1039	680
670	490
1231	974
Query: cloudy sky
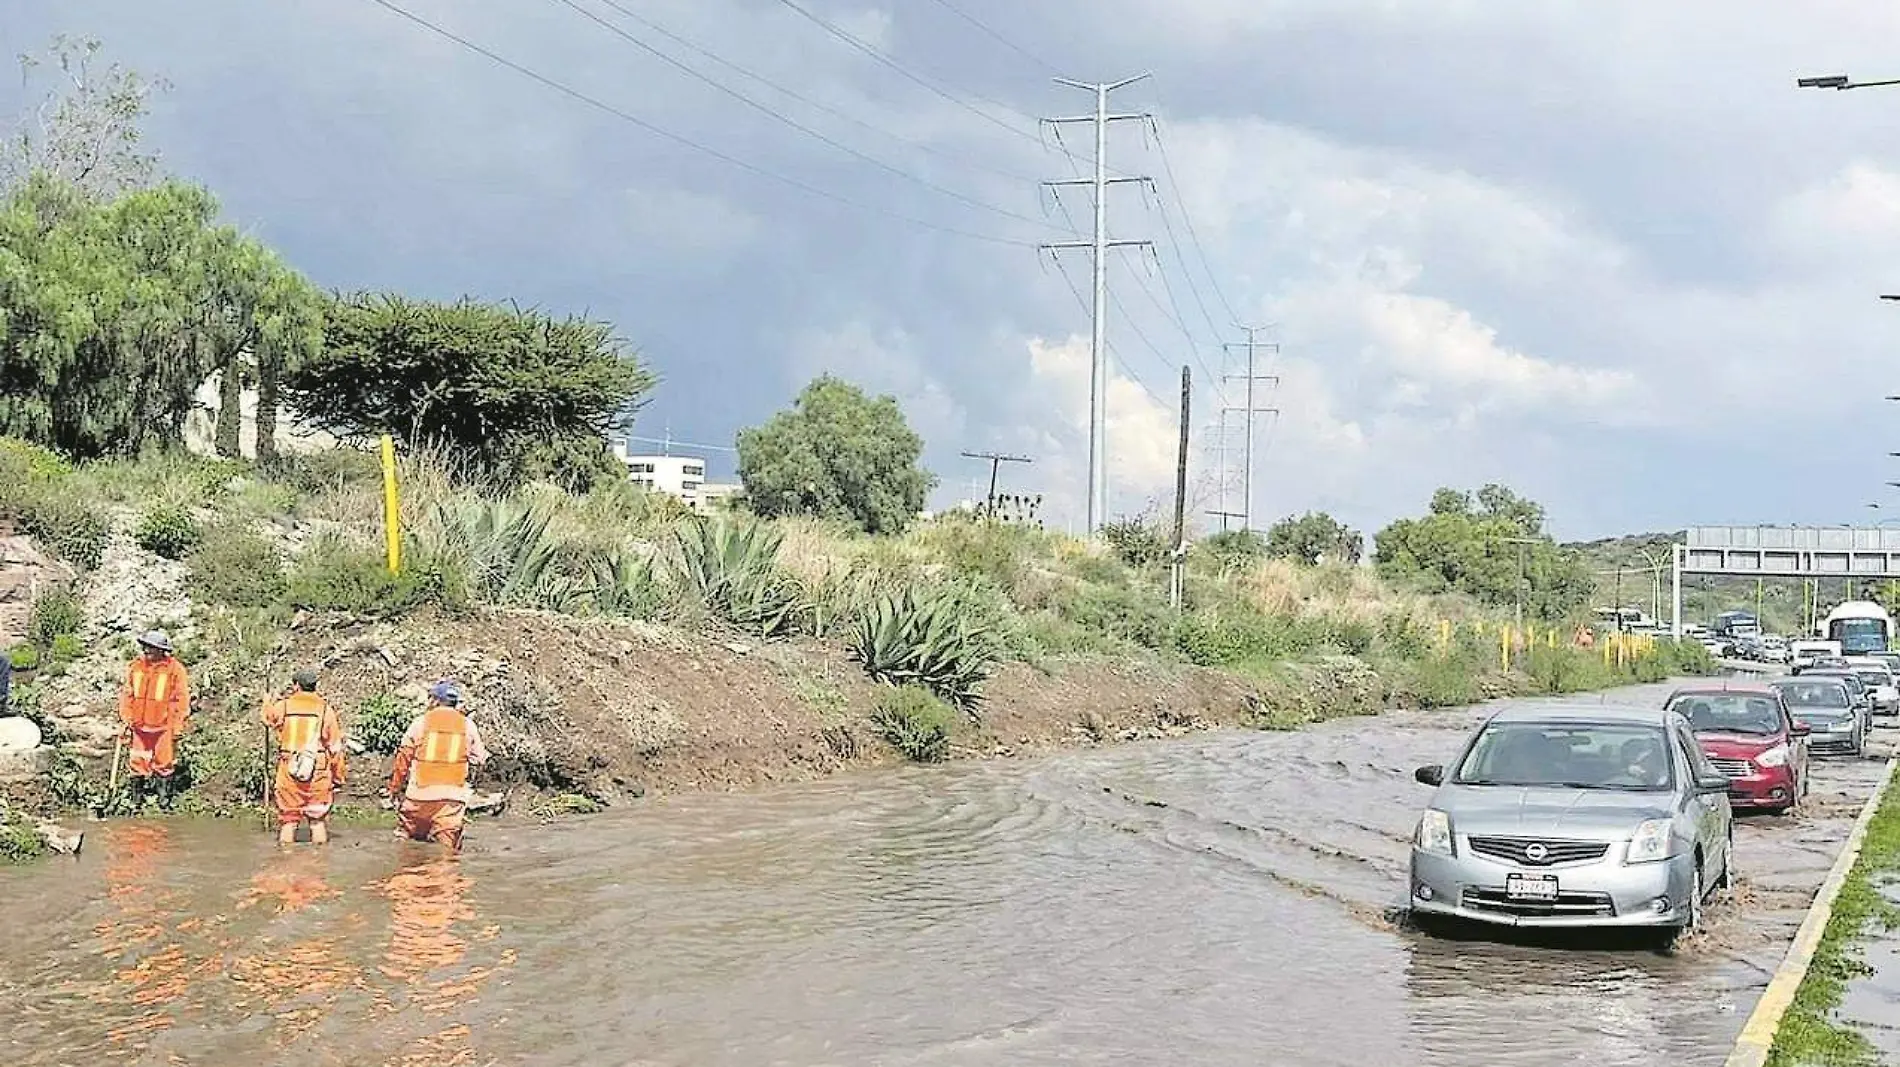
1600	250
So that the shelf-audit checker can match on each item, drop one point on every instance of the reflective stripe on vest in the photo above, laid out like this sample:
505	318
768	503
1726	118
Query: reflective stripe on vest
303	723
151	693
442	754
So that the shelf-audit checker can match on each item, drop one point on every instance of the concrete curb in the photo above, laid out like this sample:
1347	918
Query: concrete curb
1758	1035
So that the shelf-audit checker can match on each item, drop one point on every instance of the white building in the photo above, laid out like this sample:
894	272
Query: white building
680	476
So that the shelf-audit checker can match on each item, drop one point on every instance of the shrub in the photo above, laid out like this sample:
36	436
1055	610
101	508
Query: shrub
57	613
1232	550
332	576
66	648
380	722
1241	636
927	638
20	841
1136	542
1353	637
733	566
996	551
1123	613
75	532
1447	682
235	567
168	531
1566	670
24	657
915	722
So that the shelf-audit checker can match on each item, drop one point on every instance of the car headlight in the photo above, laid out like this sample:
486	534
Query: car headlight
1652	841
1434	833
1774	757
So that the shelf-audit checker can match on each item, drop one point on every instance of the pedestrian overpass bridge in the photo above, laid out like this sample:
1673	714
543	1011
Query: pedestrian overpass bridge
1868	553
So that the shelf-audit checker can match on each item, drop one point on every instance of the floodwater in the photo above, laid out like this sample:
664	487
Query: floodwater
1221	899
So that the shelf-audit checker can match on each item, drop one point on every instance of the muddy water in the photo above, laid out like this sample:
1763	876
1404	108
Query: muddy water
1223	899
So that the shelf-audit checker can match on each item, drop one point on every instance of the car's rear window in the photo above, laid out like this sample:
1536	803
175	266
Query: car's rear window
1814	694
1729	713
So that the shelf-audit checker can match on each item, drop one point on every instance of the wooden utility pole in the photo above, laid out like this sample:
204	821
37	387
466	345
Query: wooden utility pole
997	459
1176	572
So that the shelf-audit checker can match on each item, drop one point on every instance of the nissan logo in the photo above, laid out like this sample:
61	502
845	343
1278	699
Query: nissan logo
1536	851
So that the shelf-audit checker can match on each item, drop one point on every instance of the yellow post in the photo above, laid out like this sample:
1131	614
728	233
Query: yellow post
392	518
1608	641
1552	642
1444	636
1504	645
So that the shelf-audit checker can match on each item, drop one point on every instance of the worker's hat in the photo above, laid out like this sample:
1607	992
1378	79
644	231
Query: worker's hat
446	692
156	639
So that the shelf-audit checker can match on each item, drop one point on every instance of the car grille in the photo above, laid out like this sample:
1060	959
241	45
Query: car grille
1733	768
1478	898
1515	849
1841	747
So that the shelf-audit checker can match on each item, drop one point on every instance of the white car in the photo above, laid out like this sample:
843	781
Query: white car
1878	677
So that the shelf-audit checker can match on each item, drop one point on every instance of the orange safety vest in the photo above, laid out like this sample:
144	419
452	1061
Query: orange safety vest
303	724
151	689
442	754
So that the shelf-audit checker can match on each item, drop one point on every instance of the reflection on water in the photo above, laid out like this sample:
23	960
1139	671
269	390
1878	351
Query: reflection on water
1218	900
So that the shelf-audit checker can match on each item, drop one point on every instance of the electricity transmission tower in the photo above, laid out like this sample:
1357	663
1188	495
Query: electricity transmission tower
1098	247
1223	482
1249	410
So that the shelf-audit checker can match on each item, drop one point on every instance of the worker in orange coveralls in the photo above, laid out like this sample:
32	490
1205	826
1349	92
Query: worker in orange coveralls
310	763
431	769
155	708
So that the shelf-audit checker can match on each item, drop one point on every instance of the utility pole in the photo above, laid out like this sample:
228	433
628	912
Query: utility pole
1175	572
1098	246
997	459
1246	477
1522	544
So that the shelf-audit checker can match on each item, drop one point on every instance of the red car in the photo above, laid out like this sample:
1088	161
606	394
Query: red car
1748	733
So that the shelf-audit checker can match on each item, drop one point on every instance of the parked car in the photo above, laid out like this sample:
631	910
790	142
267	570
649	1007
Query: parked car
1574	815
1879	679
1825	704
1749	735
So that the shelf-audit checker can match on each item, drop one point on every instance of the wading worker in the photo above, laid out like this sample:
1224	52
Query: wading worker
310	765
431	770
155	707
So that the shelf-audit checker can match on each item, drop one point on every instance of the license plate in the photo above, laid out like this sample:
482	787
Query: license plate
1530	886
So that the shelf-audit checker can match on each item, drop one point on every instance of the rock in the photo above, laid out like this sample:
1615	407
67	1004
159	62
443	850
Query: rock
492	802
27	765
388	656
18	735
61	840
738	649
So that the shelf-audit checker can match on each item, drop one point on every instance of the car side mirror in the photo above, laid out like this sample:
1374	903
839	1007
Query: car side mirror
1802	729
1714	783
1435	775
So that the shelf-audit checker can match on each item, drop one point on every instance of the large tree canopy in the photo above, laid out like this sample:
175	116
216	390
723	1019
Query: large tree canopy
837	454
515	391
113	313
1312	537
1476	543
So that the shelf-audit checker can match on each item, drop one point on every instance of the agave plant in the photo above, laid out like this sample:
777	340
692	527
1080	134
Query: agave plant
929	639
512	555
734	569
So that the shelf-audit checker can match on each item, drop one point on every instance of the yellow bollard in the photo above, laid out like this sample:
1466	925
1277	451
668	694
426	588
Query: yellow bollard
1444	636
1504	645
392	519
1608	640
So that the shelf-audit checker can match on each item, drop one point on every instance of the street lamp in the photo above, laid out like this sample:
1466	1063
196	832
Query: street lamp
1840	81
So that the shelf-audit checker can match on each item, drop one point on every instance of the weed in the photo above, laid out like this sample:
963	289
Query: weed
237	568
168	531
57	613
66	648
333	576
566	804
916	722
380	722
20	841
1136	542
24	657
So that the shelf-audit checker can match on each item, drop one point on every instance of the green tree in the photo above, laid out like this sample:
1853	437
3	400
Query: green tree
516	392
840	454
84	127
113	313
1490	545
1315	535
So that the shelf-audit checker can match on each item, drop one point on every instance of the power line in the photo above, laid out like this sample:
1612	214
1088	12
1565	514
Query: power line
1167	226
872	51
1082	302
791	122
687	142
995	36
1174	184
922	146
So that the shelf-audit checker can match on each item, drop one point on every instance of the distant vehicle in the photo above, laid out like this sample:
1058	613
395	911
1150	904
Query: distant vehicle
1802	654
1575	815
1750	735
1879	678
1736	624
1623	619
1860	627
1828	709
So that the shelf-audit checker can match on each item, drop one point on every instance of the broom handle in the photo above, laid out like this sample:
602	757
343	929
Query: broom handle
118	749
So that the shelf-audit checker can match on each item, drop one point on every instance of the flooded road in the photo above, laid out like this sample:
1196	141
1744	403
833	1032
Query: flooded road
1221	899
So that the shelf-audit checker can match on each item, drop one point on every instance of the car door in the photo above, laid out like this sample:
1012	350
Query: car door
1710	811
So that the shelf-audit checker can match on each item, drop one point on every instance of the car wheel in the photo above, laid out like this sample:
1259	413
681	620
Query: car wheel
1727	882
1670	936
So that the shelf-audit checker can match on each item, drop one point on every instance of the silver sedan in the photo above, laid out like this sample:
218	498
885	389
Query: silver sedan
1575	815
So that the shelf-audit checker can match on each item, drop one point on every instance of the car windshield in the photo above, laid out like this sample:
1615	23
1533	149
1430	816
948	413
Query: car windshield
1729	713
1813	694
1873	677
1569	755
